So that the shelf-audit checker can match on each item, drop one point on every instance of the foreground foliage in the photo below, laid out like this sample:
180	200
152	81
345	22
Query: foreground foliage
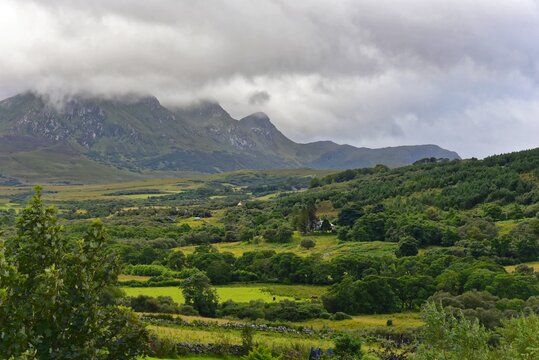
55	296
449	336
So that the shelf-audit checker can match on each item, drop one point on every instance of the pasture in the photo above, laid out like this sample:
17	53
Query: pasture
238	293
272	340
328	246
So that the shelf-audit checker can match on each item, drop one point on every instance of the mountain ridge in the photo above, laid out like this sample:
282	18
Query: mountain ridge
139	134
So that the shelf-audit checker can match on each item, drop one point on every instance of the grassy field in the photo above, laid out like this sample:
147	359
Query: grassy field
400	321
229	336
238	293
124	277
504	227
295	291
533	264
172	182
326	245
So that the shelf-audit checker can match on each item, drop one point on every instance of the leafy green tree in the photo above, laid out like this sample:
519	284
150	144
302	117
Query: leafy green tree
326	225
514	286
315	182
370	227
446	336
494	211
519	338
407	247
199	294
219	272
52	291
277	232
304	217
176	260
348	215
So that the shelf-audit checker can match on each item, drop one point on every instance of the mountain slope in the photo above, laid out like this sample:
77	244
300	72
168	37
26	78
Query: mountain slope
132	135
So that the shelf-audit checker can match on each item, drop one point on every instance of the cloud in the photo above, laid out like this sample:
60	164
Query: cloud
462	74
259	98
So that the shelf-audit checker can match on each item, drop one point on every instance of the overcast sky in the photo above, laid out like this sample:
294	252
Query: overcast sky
462	74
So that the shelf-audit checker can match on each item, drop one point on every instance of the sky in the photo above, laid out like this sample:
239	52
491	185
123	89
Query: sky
463	74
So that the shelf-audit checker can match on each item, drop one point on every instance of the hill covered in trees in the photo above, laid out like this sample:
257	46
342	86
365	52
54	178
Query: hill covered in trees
388	257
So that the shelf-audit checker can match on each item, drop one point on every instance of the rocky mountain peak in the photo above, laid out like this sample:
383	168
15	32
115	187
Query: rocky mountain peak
258	120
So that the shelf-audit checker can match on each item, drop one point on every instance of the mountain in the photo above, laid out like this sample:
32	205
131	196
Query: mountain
91	139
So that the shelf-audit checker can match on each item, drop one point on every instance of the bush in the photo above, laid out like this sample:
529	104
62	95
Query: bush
389	322
339	315
285	310
160	304
347	347
261	353
325	315
162	347
149	270
188	310
307	244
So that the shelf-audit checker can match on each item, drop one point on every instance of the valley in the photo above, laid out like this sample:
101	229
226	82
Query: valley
305	256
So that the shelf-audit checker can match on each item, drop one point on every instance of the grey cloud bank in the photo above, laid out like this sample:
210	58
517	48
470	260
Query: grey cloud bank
462	74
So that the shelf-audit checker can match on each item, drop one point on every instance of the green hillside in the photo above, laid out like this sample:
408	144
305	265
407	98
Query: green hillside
302	257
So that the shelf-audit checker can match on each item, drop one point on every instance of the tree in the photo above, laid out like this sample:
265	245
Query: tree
199	294
277	232
326	225
52	293
315	182
304	217
446	336
407	247
176	260
348	215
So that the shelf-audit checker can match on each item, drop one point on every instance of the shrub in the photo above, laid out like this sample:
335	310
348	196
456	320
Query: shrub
160	304
188	310
247	338
325	315
162	347
260	353
307	243
389	322
148	270
348	347
341	316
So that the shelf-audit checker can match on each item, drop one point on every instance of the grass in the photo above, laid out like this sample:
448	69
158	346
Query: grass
238	293
295	291
504	227
229	336
400	321
77	169
124	277
533	264
215	220
326	245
